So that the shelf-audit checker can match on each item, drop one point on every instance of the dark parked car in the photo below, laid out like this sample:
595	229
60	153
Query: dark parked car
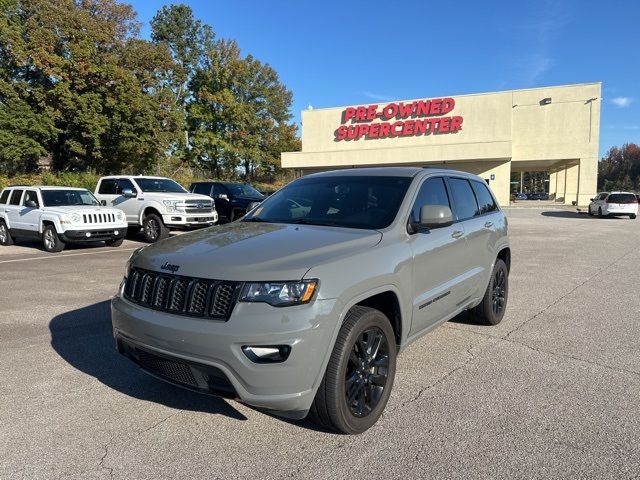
520	196
538	196
232	199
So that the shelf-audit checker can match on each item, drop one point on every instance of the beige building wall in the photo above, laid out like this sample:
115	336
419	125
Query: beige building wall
502	132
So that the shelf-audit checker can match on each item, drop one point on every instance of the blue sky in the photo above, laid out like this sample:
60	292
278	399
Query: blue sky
346	53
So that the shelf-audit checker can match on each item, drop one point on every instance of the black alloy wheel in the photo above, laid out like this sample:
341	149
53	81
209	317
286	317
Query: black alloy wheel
499	292
153	228
367	372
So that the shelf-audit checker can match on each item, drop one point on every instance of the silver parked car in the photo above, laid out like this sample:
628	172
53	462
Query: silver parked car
302	306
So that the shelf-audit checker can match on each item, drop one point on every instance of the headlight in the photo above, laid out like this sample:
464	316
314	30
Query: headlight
75	218
279	294
120	216
172	205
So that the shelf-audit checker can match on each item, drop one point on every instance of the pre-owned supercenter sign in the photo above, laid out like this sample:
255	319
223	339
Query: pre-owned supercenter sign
422	117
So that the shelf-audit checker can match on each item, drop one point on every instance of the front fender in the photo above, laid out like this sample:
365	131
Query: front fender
3	216
150	204
55	219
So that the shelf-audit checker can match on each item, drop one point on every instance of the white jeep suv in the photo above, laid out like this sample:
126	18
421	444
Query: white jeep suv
58	215
156	204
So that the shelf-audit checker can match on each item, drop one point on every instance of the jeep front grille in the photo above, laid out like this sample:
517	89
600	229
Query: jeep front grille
182	295
98	217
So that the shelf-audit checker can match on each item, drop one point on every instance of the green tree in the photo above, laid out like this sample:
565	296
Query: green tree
188	41
82	68
619	169
240	114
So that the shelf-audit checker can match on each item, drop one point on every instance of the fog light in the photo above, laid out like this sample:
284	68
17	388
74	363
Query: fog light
267	353
176	219
88	234
116	232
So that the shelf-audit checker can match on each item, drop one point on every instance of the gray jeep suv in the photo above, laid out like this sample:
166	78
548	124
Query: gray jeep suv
303	305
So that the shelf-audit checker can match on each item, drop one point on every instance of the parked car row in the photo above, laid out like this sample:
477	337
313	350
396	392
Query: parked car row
530	196
61	215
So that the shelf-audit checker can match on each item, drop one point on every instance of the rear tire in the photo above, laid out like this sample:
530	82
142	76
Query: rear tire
5	236
114	243
153	228
51	241
357	383
494	303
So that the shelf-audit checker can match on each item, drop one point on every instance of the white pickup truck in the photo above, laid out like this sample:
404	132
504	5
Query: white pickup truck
57	216
156	204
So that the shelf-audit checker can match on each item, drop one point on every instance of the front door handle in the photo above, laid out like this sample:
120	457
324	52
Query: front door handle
457	234
488	224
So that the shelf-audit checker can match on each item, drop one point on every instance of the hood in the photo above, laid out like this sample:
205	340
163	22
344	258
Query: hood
177	196
66	209
244	251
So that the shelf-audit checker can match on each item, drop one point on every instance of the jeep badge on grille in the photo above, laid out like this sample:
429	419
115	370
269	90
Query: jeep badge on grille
170	267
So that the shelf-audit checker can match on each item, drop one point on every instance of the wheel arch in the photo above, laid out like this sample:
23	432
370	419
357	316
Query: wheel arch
149	209
504	254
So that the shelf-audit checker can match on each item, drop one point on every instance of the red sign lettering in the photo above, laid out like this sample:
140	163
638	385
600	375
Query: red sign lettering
422	117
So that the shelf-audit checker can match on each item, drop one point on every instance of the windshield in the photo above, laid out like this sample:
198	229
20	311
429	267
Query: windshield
366	202
242	190
65	198
164	185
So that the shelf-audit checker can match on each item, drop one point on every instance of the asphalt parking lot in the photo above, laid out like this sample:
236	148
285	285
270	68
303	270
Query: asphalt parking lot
553	391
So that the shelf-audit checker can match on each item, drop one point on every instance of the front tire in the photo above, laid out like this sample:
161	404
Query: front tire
51	241
590	212
5	237
494	303
632	216
114	243
357	383
154	228
600	212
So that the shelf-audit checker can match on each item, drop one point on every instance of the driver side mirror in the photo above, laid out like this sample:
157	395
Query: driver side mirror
593	199
433	216
222	196
31	204
128	193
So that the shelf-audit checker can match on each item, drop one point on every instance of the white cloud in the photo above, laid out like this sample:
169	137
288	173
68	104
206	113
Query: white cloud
621	102
376	96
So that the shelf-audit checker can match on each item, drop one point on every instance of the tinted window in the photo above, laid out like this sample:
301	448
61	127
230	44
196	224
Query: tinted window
202	188
464	201
622	198
4	196
366	202
242	190
603	196
15	197
124	184
30	196
163	185
219	189
432	192
107	187
486	202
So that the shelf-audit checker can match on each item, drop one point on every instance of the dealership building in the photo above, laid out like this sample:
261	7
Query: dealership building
494	135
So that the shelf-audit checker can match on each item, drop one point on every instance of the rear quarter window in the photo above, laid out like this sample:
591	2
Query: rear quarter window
4	196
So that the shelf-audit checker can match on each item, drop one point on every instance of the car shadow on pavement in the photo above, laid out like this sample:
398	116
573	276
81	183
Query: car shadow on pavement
565	214
83	338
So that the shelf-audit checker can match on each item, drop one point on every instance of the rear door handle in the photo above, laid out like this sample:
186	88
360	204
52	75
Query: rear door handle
488	224
457	234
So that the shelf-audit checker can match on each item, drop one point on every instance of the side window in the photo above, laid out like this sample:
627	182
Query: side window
485	199
15	197
107	187
432	192
202	188
124	184
4	197
32	196
219	189
603	196
464	200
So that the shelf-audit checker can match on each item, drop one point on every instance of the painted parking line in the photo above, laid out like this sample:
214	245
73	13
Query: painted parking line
67	255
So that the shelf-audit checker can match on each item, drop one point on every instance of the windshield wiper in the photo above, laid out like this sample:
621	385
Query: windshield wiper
304	221
255	219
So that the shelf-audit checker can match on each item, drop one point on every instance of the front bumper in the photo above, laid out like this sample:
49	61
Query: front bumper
206	355
190	220
94	235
